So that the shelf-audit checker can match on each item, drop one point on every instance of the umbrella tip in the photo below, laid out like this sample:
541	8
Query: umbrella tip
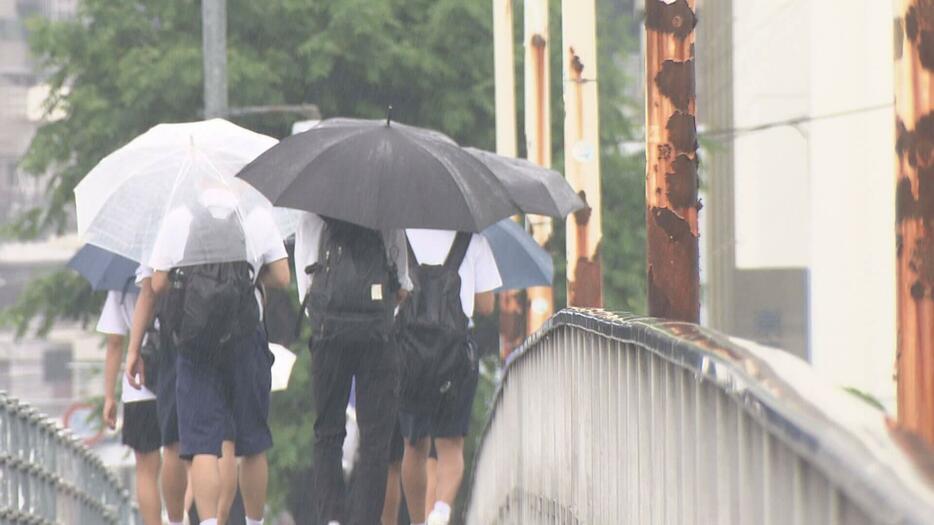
388	114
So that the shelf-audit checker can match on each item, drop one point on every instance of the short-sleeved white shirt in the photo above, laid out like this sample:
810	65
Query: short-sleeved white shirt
478	271
260	229
117	319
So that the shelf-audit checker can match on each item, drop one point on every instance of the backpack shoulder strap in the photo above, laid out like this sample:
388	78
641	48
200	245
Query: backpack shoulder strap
458	251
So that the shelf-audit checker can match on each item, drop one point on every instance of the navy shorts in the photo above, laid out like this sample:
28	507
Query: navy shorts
165	397
449	422
141	426
225	399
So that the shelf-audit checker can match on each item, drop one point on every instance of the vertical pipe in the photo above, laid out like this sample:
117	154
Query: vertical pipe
214	38
914	108
512	318
671	161
538	138
582	151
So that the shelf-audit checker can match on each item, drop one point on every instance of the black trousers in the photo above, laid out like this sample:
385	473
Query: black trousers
376	368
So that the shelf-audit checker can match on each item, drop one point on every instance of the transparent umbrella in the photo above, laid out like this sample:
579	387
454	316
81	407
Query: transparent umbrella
176	182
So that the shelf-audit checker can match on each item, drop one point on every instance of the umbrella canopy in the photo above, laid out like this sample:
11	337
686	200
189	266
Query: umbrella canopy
381	175
177	175
104	270
521	261
533	188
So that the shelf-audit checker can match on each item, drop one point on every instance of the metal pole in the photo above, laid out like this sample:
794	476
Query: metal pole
512	319
582	151
671	161
214	35
715	92
914	108
538	138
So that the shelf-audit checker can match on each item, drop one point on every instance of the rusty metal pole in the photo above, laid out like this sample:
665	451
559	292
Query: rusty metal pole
582	151
538	138
914	117
671	161
512	318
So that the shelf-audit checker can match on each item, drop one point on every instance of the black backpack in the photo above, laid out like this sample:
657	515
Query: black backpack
433	333
351	299
211	305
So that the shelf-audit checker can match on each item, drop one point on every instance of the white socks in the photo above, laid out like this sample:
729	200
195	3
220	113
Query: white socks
176	523
250	521
212	521
442	510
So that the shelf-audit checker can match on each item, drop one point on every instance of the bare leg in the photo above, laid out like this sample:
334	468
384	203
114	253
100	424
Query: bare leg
206	484
431	485
254	478
174	483
413	478
147	487
393	495
450	468
228	479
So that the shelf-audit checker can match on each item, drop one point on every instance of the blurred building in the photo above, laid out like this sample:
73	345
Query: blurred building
21	95
798	134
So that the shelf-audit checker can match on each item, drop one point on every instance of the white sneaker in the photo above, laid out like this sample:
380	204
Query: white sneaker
436	518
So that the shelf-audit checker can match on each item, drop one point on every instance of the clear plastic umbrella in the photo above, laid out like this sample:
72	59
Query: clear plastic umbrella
175	184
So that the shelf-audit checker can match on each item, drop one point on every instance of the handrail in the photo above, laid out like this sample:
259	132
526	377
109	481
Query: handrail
48	477
607	418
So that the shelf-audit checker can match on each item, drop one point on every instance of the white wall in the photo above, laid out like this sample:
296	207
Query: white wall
821	194
853	195
770	61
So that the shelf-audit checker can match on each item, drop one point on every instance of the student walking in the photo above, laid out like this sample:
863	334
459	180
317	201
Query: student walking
140	423
350	280
213	313
455	278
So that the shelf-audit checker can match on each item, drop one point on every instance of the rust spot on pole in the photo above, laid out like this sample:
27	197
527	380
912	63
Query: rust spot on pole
676	81
682	182
919	28
677	19
905	204
682	130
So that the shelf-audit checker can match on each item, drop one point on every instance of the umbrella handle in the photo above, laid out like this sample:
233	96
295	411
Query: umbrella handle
388	114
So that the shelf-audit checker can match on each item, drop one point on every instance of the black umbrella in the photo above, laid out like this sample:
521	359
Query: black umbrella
381	175
534	188
105	270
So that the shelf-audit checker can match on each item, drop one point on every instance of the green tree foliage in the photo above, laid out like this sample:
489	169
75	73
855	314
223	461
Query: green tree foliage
123	66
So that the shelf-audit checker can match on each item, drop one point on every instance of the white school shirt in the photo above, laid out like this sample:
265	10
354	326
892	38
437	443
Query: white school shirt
116	319
260	230
478	271
308	241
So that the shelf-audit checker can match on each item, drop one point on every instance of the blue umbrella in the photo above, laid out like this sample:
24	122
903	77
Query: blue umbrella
103	269
521	261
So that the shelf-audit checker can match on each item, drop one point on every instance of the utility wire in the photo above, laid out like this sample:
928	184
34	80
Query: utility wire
796	121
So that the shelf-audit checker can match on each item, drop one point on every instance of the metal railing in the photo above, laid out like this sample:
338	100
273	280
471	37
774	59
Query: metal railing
48	477
608	419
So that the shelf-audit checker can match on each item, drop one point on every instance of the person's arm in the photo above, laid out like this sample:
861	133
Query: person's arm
484	303
111	369
276	274
160	282
142	317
